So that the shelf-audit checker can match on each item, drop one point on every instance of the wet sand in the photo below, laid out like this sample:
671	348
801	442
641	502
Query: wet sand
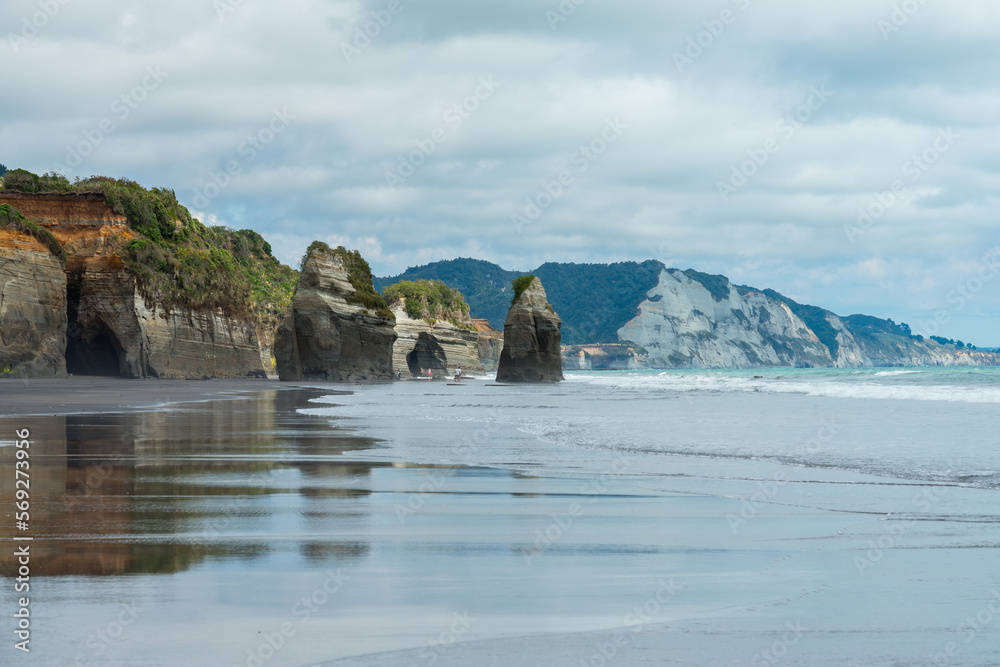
79	395
248	533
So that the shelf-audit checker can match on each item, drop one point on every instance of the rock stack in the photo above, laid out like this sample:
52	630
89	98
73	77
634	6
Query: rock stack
329	333
531	348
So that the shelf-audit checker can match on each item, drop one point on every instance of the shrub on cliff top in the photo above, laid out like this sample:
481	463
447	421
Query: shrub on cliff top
359	274
22	180
430	300
204	268
156	213
11	218
521	284
177	261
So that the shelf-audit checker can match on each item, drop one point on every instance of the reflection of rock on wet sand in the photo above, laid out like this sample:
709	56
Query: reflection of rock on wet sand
137	493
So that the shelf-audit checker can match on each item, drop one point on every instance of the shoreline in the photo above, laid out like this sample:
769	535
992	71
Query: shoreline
93	395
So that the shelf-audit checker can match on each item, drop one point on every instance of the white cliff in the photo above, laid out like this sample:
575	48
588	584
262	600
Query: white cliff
682	324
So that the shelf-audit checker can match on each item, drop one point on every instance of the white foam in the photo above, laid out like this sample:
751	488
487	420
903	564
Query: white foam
829	387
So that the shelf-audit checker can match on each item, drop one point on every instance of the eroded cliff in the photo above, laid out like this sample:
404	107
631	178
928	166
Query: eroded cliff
32	304
337	328
114	327
490	345
694	320
531	347
434	330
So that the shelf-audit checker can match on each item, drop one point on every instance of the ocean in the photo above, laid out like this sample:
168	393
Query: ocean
783	516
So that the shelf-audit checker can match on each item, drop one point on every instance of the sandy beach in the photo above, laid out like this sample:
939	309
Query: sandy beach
293	526
58	396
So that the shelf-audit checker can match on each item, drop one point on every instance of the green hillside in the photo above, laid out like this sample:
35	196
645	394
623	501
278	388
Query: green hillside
596	300
593	300
486	286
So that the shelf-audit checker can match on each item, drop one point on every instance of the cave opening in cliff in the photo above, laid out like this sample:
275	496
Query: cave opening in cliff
427	353
93	352
91	348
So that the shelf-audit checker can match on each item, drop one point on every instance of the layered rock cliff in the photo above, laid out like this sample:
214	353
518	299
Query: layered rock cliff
32	303
490	345
434	330
114	326
441	346
337	328
531	349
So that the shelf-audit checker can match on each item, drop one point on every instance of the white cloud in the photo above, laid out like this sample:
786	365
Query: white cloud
324	176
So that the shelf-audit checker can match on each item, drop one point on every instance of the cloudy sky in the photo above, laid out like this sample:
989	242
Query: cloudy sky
846	154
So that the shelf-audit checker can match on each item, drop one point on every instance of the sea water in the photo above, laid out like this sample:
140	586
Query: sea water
776	517
859	507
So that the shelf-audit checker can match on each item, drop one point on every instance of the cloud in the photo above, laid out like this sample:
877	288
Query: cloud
359	113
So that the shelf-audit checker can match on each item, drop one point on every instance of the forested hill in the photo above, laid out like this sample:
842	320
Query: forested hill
593	300
486	286
689	318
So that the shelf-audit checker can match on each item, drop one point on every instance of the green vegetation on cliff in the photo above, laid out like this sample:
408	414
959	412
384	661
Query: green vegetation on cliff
484	285
359	274
717	286
519	286
814	317
594	301
11	218
176	260
430	300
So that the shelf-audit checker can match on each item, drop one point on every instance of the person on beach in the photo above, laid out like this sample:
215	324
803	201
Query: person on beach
458	375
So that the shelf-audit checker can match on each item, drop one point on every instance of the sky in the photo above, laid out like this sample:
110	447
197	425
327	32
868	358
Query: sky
845	154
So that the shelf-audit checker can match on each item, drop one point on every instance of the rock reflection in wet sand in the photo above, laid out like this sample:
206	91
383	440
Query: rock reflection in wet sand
156	492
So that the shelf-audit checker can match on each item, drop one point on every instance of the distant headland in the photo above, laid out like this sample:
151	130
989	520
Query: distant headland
106	277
